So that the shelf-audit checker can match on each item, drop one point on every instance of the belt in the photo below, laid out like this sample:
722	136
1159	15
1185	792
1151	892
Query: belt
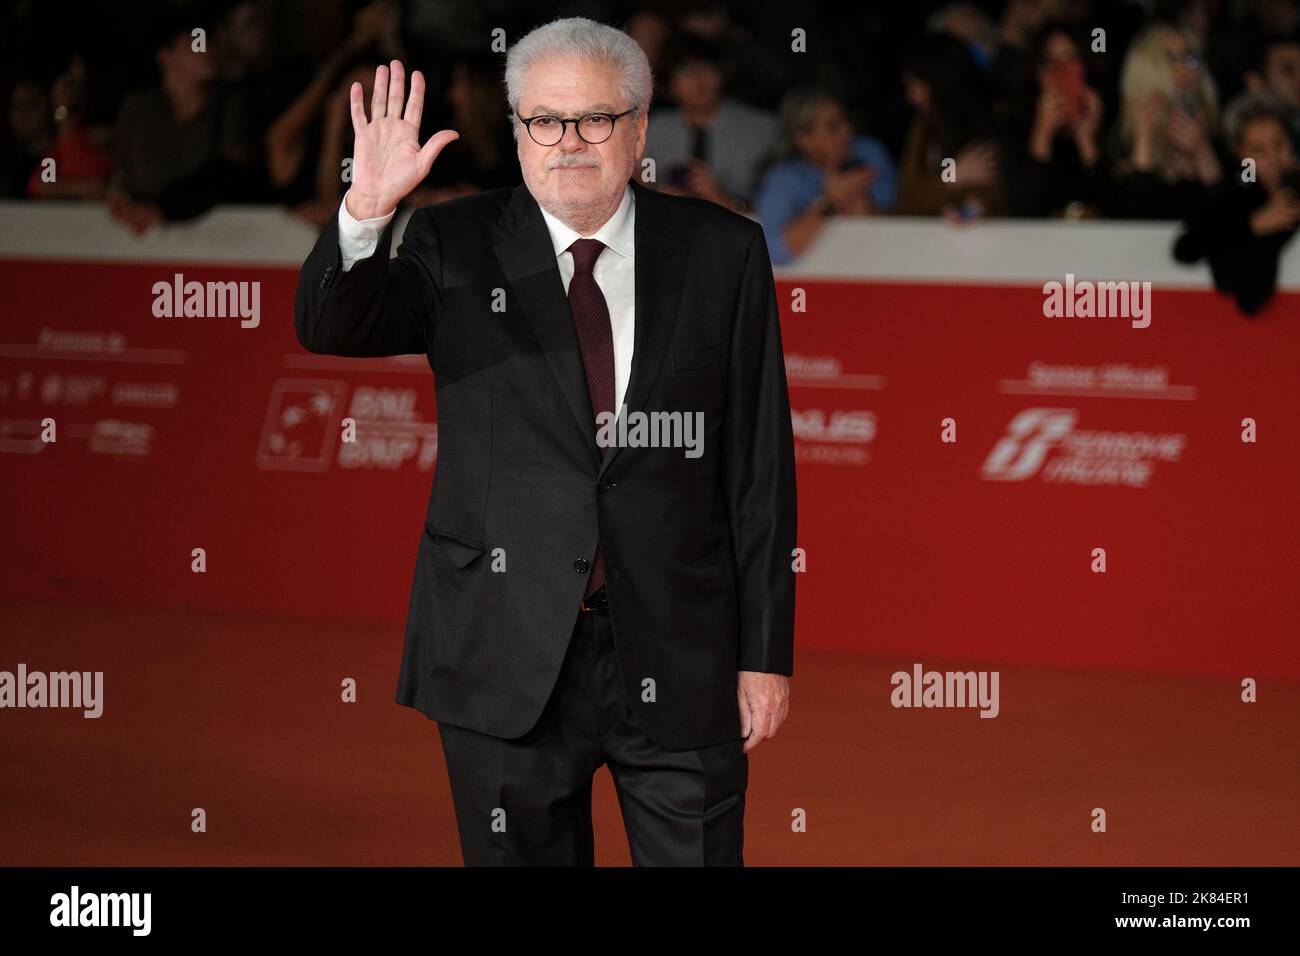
597	601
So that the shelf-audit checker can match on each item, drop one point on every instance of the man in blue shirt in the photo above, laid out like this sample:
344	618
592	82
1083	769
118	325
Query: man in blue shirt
826	170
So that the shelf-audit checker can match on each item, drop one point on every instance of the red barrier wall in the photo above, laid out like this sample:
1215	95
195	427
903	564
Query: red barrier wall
176	433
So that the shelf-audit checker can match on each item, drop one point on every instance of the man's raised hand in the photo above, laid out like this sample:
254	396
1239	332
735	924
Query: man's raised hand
387	160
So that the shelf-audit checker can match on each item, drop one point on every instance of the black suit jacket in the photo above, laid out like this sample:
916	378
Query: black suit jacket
697	551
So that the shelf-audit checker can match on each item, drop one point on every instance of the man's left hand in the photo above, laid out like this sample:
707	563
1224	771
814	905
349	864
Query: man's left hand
764	702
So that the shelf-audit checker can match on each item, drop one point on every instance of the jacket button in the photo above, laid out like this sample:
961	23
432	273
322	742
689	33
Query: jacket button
582	565
604	485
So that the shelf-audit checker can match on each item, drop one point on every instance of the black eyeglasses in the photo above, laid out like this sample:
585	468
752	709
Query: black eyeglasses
593	128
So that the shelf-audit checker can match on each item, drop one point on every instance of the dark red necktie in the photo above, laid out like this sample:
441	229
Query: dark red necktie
596	339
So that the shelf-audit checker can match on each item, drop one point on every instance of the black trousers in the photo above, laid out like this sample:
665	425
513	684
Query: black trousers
527	801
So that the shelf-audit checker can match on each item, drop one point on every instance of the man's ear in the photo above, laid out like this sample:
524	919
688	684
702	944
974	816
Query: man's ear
642	122
1254	81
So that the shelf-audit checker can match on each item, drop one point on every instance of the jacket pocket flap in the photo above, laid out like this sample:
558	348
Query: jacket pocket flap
460	550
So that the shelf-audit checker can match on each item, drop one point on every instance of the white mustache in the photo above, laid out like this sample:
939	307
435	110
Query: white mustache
562	163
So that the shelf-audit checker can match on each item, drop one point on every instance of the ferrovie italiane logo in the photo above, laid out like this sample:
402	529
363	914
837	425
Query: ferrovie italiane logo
1047	443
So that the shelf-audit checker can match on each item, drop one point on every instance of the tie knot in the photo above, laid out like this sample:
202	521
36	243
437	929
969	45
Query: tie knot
585	253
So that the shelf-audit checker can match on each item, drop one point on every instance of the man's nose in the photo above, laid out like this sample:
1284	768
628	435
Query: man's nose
571	142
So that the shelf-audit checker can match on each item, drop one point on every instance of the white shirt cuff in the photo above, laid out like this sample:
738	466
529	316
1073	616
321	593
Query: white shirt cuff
359	237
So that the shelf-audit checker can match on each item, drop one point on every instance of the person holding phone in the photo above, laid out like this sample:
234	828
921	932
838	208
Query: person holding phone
1166	162
1053	158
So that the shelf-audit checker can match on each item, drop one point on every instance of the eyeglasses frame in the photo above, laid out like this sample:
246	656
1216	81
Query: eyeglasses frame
575	120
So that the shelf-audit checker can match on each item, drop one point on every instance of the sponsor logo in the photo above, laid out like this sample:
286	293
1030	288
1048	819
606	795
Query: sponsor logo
380	429
1045	442
834	437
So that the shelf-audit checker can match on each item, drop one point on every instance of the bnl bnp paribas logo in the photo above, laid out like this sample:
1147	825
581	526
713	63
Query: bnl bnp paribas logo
1047	443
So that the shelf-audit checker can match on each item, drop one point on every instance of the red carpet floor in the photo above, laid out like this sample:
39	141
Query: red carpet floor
241	716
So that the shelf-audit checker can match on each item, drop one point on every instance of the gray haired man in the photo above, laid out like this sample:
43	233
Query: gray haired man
578	603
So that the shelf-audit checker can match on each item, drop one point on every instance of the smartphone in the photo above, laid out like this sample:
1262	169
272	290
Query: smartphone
1066	80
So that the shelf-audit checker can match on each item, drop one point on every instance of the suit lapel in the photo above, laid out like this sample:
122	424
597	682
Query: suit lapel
523	248
660	264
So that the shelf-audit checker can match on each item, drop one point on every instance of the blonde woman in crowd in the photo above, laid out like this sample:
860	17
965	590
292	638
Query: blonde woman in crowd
1165	158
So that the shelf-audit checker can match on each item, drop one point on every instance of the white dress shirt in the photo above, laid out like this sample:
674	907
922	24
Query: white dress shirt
614	272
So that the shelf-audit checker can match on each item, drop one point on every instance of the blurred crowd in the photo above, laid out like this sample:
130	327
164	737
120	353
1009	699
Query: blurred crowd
791	113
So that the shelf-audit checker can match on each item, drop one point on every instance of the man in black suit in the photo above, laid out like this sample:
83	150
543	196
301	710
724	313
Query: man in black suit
589	589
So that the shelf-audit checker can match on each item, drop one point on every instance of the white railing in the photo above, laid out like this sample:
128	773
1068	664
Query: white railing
877	249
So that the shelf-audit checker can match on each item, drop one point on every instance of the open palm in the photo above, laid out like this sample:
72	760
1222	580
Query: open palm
388	161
